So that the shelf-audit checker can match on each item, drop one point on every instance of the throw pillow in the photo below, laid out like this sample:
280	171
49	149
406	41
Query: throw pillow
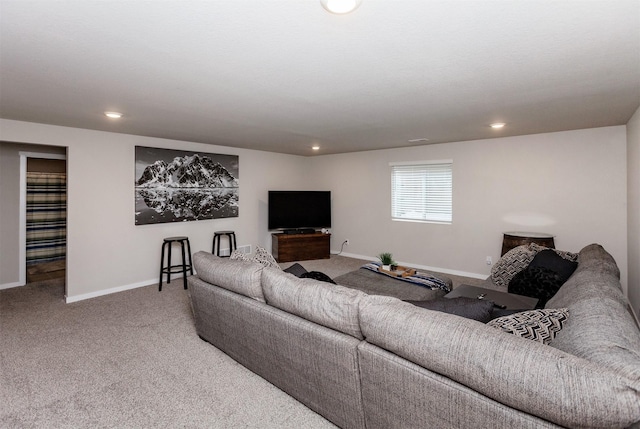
239	256
510	264
265	258
471	308
536	282
550	259
317	275
537	325
570	256
295	269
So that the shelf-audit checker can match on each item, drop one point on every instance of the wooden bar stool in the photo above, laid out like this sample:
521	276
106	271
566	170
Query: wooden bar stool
216	238
173	269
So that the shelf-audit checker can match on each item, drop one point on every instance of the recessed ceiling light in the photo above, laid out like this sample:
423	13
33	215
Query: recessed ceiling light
497	125
113	115
340	6
418	140
315	147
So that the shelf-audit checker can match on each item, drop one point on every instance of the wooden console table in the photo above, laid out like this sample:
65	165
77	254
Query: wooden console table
300	247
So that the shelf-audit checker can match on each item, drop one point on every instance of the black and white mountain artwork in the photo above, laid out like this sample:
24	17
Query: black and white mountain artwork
177	186
193	171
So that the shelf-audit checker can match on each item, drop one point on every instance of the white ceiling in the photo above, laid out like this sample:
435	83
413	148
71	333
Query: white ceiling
282	75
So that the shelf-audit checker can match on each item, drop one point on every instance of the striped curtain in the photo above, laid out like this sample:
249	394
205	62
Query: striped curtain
46	217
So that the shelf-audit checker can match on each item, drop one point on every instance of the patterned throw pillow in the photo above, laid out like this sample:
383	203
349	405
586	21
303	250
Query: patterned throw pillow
569	256
265	258
239	256
510	264
536	325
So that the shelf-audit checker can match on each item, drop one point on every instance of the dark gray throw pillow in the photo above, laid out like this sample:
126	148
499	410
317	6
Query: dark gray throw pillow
471	308
536	282
549	259
317	275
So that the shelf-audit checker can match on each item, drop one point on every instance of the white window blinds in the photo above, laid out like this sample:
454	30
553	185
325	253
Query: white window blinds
422	191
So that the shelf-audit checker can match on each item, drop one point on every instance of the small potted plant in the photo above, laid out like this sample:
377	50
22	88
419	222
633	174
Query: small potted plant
387	261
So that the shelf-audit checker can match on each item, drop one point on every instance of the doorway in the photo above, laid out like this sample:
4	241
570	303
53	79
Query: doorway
43	216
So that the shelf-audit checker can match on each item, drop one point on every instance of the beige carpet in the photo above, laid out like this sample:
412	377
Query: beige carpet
131	360
126	360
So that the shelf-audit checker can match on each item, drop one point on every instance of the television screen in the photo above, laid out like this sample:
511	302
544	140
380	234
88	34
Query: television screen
299	209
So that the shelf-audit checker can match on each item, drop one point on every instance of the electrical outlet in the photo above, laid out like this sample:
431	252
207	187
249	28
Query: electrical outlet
489	260
346	241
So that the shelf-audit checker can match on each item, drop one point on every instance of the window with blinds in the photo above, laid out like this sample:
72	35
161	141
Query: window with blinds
422	191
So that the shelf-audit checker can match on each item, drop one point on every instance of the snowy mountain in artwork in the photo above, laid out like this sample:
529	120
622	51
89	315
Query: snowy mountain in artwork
193	171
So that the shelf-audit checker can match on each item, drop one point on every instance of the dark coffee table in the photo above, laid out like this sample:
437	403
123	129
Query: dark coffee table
509	301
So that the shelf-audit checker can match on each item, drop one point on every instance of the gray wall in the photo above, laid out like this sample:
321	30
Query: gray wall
572	184
9	205
106	252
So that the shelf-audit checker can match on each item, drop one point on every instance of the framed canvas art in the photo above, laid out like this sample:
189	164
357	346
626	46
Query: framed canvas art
179	186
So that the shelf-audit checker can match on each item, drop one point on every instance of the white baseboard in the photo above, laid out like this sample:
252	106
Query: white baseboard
10	285
82	297
421	267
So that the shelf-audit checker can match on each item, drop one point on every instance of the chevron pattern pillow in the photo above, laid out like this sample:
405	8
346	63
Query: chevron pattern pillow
537	325
510	264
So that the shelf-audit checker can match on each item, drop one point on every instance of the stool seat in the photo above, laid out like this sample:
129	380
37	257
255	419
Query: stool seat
179	268
231	236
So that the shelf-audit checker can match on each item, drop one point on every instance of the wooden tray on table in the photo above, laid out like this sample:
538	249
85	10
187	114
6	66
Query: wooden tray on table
400	271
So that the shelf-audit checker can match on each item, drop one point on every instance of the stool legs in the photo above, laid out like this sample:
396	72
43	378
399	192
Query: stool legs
174	269
162	266
215	247
190	262
184	265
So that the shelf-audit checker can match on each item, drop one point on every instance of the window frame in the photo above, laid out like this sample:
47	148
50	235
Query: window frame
436	208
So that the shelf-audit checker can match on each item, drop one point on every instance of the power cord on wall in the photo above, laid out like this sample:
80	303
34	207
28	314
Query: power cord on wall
342	247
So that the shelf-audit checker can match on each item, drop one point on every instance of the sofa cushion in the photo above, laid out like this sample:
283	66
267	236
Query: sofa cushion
536	325
329	305
243	277
471	308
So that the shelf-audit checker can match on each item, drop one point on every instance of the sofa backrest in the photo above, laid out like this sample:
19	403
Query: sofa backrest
523	374
243	277
326	304
600	327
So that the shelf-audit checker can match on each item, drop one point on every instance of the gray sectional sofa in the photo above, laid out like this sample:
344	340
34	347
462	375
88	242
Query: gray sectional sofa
370	361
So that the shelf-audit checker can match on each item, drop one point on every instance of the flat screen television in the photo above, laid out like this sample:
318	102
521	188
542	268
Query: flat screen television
299	211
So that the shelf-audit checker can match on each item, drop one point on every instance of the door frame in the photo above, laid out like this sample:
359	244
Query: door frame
22	239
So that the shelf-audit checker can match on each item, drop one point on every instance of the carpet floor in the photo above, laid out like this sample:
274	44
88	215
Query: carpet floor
131	360
126	360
